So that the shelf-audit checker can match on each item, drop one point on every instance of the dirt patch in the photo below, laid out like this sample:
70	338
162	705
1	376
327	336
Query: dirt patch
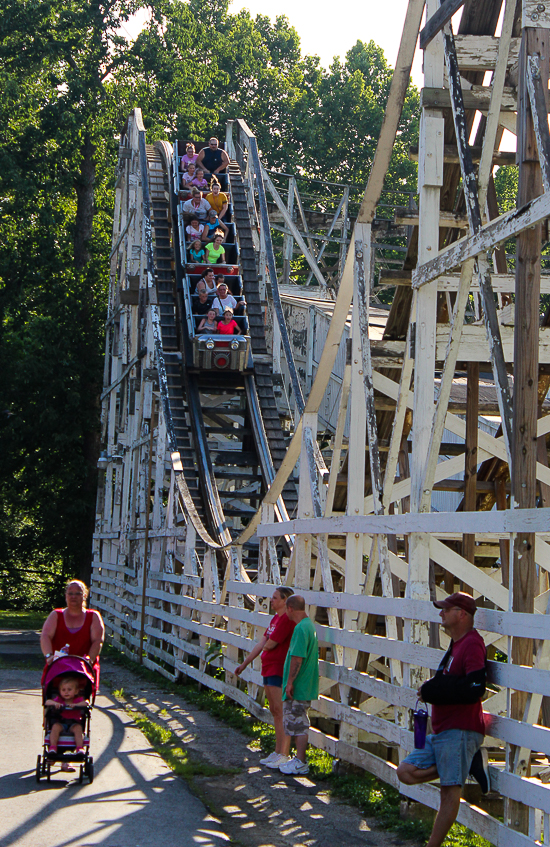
257	806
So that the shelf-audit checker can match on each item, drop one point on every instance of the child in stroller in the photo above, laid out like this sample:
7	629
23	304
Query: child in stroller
68	694
70	705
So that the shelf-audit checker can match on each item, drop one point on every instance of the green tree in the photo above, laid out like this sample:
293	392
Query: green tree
69	79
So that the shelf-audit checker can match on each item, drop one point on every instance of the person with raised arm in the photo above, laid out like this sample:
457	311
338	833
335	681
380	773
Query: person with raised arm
273	647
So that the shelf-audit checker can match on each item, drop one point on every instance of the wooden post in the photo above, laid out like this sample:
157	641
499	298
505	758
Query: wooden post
302	547
288	240
470	459
355	493
526	357
430	181
146	540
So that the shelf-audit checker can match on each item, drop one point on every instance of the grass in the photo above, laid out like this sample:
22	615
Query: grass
168	746
21	662
22	620
373	797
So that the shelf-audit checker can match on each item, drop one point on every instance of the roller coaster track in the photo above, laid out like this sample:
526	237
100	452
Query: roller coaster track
377	621
200	405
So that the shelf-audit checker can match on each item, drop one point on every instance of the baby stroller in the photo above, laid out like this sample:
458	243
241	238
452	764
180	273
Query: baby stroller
66	749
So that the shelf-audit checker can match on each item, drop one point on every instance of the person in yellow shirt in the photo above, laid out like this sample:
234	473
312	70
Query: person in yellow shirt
217	199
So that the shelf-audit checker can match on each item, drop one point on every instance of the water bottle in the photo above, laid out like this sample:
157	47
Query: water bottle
65	650
420	722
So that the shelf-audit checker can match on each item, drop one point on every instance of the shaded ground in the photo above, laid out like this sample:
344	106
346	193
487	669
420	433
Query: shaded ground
136	801
258	807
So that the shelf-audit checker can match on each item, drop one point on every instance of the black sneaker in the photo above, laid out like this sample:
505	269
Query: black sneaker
479	769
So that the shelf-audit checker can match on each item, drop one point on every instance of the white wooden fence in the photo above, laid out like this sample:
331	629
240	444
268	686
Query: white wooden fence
187	614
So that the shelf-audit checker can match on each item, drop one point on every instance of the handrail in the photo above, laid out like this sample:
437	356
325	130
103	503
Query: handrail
177	465
270	258
167	153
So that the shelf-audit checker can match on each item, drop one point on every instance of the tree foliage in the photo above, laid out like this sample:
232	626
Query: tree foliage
69	78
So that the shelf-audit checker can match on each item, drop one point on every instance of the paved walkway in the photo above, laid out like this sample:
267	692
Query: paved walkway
134	801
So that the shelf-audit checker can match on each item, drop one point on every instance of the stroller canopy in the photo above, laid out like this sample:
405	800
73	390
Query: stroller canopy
70	665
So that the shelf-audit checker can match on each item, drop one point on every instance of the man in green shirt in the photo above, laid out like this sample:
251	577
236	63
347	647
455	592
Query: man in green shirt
300	682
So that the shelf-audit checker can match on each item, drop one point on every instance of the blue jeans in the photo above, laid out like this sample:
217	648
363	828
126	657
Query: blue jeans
451	751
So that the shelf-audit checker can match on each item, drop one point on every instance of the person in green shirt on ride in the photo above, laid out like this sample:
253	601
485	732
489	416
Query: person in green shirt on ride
300	682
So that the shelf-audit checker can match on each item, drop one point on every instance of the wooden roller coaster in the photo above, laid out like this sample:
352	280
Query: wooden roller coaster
220	480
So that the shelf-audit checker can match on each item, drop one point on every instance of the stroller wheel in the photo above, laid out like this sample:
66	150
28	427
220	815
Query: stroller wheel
81	774
48	772
90	769
38	768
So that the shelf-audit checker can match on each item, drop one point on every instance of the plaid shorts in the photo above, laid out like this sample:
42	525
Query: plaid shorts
295	717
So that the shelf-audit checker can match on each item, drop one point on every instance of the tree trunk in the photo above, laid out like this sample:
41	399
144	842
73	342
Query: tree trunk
86	344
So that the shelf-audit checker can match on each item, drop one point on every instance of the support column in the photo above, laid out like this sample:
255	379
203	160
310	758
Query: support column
470	458
288	240
303	546
355	497
526	356
430	180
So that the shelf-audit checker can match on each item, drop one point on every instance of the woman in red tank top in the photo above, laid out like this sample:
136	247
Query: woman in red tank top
81	628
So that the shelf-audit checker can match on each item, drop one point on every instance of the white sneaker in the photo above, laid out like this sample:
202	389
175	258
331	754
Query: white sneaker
273	757
294	766
280	760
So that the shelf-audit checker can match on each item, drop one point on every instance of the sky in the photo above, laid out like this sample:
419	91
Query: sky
324	30
327	29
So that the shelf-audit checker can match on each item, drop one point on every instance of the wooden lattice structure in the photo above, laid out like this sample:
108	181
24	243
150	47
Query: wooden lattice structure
365	547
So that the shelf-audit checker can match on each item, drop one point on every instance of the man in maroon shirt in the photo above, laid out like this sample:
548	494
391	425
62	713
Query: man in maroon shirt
455	693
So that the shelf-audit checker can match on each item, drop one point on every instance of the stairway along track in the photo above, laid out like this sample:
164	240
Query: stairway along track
226	423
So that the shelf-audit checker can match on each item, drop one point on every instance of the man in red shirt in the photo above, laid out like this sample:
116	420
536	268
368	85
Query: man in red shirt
455	693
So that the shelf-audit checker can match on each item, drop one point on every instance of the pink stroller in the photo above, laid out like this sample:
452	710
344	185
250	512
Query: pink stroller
66	750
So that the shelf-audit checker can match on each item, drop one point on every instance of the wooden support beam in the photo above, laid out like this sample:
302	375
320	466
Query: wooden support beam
310	258
450	155
405	217
469	187
502	283
438	20
526	355
480	52
491	235
470	459
477	97
539	115
288	241
491	136
394	107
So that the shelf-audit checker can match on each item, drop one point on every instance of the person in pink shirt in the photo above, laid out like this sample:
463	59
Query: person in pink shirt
199	181
274	647
189	156
187	177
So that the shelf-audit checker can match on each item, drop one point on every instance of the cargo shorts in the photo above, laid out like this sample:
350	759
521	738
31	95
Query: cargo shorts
295	717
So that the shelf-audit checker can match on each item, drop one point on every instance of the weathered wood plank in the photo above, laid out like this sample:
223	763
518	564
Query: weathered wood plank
438	20
450	154
437	523
502	283
477	97
490	236
539	112
479	52
469	187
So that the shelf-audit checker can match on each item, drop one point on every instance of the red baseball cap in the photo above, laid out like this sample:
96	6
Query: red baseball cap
459	600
